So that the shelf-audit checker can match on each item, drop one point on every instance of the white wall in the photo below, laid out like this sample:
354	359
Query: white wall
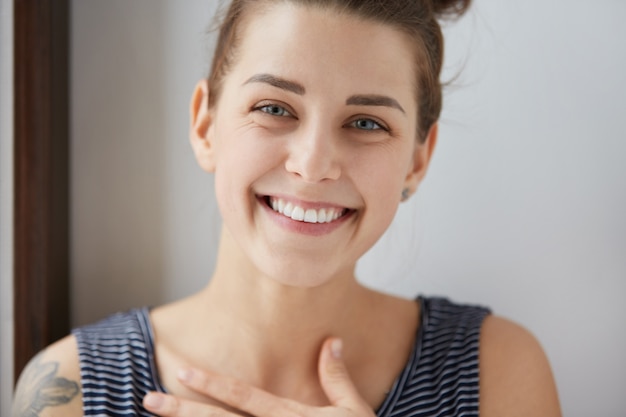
6	206
522	210
144	223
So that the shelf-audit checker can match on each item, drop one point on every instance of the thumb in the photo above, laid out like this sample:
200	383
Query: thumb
334	377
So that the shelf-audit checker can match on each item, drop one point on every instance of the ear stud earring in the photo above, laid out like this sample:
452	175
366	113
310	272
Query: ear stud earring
405	194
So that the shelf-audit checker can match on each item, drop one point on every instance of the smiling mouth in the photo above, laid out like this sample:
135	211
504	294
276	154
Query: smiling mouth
300	214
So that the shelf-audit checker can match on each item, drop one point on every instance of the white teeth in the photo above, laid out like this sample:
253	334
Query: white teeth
297	213
310	216
288	209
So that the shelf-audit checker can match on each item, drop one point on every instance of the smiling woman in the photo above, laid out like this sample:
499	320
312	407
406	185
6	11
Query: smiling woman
317	120
314	154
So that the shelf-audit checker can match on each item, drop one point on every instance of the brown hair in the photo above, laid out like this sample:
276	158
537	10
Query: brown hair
416	18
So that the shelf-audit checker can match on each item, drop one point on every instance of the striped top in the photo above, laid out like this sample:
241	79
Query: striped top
441	377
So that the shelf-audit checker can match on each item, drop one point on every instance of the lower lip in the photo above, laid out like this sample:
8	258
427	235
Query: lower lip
311	229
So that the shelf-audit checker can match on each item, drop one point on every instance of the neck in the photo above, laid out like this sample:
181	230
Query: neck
272	332
280	312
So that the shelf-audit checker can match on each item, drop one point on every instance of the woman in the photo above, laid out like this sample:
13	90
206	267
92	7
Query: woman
318	118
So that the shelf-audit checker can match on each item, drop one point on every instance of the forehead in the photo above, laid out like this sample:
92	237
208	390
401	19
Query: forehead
327	50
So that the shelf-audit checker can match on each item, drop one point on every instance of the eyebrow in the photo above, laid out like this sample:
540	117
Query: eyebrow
278	82
374	100
294	87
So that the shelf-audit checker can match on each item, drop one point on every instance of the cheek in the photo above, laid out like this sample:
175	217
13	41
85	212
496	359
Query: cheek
381	184
383	173
242	158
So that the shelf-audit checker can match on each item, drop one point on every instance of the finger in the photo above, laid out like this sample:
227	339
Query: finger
334	377
170	406
239	395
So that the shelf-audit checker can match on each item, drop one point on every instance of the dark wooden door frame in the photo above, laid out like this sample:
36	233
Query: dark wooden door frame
41	174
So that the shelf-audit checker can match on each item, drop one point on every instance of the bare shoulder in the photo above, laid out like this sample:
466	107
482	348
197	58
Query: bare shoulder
50	384
515	376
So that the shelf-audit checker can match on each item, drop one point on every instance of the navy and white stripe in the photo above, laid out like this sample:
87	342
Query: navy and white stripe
442	375
440	379
117	366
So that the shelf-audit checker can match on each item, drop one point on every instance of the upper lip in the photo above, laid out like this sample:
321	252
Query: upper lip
315	205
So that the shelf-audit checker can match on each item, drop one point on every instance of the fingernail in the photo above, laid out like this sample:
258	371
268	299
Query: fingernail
153	400
335	348
185	375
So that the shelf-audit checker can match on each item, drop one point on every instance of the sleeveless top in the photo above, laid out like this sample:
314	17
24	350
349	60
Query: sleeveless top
441	377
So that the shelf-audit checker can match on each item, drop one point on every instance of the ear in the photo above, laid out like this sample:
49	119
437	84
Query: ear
421	159
200	131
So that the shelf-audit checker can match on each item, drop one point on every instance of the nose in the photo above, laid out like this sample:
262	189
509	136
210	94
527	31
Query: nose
313	156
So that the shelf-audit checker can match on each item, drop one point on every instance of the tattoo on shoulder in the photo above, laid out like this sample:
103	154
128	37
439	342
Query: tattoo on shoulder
40	387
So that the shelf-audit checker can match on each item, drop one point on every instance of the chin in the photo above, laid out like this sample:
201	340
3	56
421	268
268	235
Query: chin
305	275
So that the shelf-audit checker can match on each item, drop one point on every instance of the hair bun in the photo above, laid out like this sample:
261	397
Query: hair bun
450	8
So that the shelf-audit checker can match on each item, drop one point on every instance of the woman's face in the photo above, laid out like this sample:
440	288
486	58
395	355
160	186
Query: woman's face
312	141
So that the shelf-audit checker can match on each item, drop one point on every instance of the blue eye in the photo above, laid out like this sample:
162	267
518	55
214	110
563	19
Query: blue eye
367	124
274	110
